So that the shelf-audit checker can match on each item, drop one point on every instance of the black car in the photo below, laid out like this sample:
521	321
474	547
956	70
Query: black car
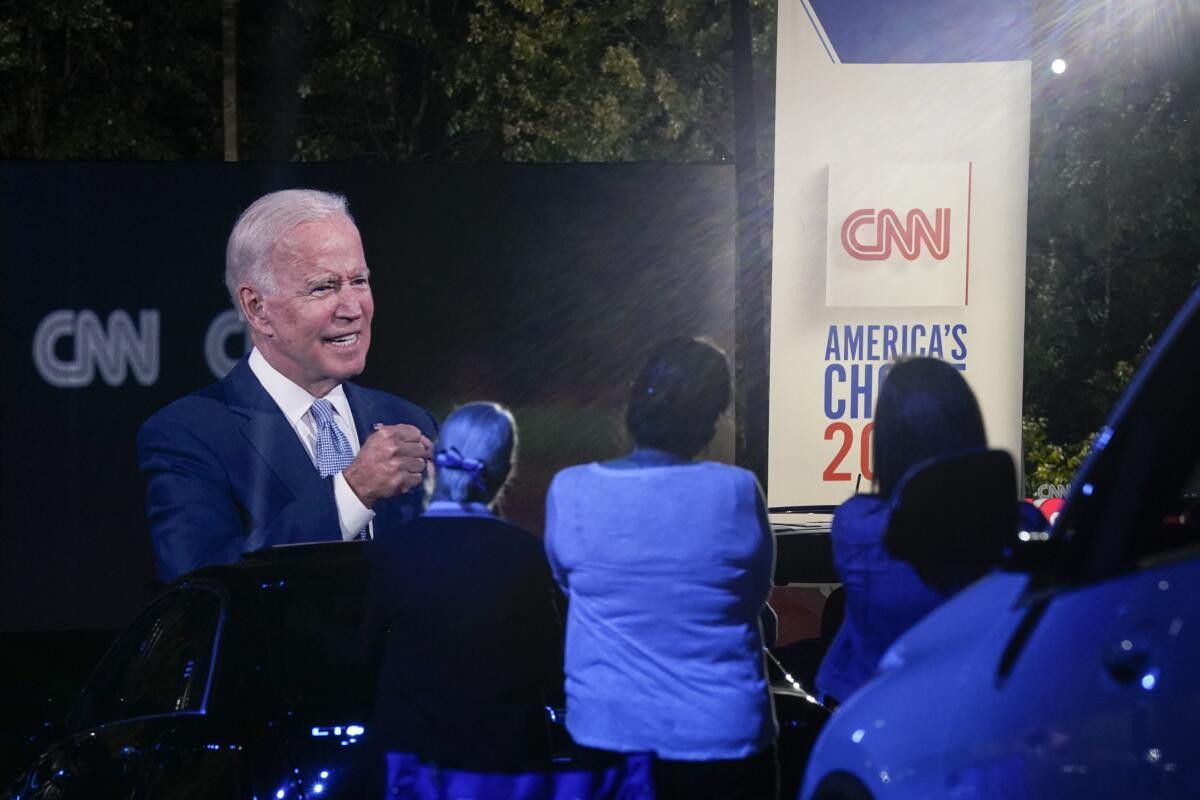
251	681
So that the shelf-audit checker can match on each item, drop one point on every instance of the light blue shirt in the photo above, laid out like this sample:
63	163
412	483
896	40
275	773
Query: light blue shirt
666	569
450	508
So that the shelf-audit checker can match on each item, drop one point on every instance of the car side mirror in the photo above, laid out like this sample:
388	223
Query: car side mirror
954	517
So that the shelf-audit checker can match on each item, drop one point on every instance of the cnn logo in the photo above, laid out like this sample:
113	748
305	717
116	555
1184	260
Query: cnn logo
907	236
898	234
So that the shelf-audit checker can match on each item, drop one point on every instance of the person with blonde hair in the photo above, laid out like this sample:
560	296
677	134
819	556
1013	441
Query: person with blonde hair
461	617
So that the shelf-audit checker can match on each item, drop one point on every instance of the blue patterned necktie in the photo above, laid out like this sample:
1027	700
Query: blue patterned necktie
334	453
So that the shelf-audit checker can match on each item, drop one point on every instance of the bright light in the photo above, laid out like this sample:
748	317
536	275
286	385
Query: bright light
355	730
1149	680
318	788
1058	66
858	735
324	774
281	794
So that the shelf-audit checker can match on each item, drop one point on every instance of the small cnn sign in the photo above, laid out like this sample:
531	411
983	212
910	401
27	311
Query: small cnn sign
899	234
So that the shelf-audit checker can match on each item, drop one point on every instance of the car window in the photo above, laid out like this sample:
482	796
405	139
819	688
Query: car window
1175	530
160	665
1134	501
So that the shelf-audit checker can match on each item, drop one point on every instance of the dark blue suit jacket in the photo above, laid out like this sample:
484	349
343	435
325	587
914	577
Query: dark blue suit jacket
225	474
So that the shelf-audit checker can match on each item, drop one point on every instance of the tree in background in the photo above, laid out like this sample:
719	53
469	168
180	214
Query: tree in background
621	81
1114	213
375	80
519	80
101	79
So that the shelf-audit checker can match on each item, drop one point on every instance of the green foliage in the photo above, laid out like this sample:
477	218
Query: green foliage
109	79
615	81
1048	463
377	80
370	84
1114	229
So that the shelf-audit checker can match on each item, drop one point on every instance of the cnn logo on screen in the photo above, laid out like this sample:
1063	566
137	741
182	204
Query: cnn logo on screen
898	234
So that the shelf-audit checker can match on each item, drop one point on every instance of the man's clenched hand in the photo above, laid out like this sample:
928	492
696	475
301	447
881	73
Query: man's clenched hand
390	463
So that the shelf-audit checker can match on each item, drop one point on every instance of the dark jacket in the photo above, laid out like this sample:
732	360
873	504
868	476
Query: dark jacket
226	474
462	620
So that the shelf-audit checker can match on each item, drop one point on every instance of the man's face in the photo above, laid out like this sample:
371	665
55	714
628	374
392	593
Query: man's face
315	328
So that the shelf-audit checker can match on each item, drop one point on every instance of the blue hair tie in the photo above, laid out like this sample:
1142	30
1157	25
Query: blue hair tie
451	458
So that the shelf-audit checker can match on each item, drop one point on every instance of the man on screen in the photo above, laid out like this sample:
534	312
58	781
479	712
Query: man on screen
284	449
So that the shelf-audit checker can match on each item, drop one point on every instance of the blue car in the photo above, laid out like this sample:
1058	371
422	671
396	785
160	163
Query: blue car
1073	671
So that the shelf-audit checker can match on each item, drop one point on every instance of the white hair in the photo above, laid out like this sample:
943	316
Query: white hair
263	225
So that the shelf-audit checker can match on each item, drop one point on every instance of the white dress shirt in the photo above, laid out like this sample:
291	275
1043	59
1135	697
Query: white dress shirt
296	404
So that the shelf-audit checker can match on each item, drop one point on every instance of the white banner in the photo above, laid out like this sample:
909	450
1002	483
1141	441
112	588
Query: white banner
900	211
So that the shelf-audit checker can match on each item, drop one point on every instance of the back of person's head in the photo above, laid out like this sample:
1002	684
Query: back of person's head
263	225
678	396
925	409
475	453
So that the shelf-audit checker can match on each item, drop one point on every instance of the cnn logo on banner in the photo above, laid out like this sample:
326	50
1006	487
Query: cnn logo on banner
898	234
907	236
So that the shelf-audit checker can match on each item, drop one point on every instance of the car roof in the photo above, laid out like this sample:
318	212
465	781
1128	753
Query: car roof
274	567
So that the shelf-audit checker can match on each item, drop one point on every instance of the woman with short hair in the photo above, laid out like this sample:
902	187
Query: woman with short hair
460	613
667	562
925	409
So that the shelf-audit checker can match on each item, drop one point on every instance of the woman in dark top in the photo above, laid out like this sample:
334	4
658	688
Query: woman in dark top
461	615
